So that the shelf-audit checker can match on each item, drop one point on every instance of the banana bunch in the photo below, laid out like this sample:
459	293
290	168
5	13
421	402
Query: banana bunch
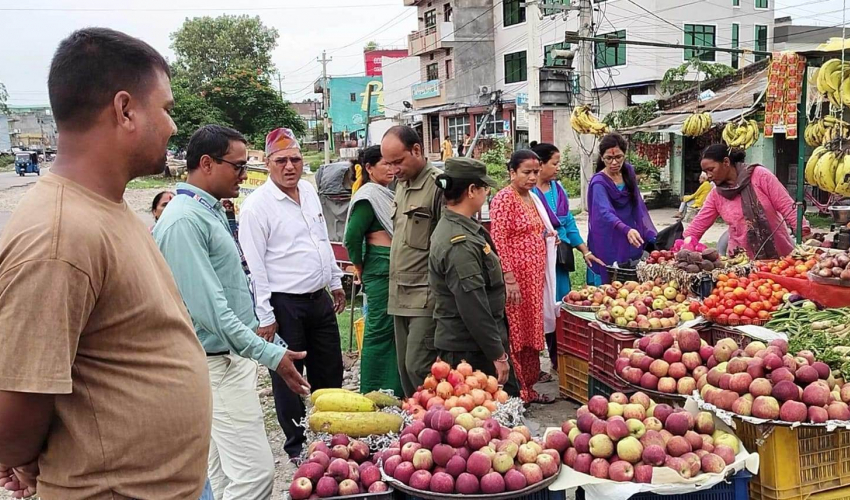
833	79
812	163
741	135
825	171
696	124
583	122
738	259
842	176
825	130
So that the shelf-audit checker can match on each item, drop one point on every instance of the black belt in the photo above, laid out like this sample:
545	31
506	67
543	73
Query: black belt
211	354
307	296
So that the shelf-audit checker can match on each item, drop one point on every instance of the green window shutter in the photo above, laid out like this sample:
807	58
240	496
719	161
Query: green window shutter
513	12
516	67
702	35
736	42
608	55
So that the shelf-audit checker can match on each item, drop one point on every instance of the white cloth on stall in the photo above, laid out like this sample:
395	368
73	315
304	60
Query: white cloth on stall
550	301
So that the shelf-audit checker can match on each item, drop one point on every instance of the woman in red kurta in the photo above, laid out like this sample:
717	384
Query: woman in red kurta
519	234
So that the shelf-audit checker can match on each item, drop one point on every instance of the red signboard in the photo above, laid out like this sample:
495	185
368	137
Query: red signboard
373	60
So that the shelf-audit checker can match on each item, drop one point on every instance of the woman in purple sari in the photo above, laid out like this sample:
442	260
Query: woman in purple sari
619	225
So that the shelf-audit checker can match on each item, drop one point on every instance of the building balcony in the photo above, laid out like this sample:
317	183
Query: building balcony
432	38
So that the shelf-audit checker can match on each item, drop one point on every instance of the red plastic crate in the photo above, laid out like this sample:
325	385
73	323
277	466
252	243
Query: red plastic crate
605	348
573	335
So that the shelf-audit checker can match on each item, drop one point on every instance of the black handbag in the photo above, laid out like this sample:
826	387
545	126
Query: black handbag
566	259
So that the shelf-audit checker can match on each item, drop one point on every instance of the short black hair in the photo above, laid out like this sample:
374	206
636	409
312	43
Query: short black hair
545	151
455	187
521	156
719	152
91	66
407	136
212	140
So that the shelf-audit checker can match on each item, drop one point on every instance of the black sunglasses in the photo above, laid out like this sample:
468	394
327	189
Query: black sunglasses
241	168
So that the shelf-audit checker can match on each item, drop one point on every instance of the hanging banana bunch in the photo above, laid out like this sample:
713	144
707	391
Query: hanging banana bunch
833	80
826	171
811	165
842	176
583	122
696	125
825	130
742	134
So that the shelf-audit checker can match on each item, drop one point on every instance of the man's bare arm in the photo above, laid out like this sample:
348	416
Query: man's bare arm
24	422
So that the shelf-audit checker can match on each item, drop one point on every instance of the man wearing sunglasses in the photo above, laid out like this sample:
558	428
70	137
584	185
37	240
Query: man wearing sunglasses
285	238
212	275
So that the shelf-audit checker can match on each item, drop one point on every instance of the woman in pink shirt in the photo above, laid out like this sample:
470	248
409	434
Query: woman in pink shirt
751	200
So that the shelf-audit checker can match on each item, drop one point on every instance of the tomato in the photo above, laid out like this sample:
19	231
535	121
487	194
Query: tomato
722	278
740	293
811	263
705	311
766	305
778	295
732	282
739	309
710	302
783	265
723	317
775	270
749	313
753	297
732	276
729	303
734	317
746	321
757	306
774	286
775	302
763	314
728	311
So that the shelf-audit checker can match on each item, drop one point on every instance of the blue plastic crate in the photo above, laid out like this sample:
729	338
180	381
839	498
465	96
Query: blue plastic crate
735	489
544	494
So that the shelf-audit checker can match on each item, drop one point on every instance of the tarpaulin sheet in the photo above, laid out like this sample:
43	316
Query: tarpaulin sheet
828	295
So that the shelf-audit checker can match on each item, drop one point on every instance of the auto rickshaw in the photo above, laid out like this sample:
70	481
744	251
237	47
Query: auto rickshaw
26	162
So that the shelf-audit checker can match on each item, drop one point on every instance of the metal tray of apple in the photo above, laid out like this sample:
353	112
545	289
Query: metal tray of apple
729	418
655	394
506	495
646	312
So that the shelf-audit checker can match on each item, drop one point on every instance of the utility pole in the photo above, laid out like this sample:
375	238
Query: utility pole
280	84
533	55
585	95
325	105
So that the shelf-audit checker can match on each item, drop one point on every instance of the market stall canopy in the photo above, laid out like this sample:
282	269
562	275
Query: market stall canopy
729	98
430	110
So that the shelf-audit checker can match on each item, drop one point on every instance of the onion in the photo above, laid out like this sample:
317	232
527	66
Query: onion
842	260
440	369
464	368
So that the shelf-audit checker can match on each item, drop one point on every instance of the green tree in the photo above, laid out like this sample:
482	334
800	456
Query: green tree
191	111
674	79
211	47
4	96
251	105
373	45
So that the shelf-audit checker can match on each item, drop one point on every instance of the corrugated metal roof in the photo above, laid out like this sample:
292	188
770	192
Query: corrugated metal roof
672	123
741	94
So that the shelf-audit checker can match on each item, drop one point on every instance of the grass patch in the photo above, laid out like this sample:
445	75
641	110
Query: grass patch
344	321
578	278
313	158
819	221
153	182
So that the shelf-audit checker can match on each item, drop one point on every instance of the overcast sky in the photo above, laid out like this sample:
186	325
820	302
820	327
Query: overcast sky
31	30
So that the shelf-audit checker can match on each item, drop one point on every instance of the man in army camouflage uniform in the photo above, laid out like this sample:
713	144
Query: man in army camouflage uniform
418	204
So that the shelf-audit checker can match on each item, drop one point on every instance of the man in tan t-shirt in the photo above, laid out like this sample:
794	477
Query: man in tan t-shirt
104	389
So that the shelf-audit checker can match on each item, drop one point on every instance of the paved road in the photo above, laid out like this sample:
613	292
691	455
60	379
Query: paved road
11	179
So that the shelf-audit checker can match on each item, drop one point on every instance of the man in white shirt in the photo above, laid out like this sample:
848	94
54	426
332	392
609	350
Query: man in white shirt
285	240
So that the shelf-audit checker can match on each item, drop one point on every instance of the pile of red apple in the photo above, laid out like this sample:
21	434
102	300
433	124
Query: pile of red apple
669	362
769	383
648	306
590	296
466	455
344	468
622	439
460	390
661	257
742	300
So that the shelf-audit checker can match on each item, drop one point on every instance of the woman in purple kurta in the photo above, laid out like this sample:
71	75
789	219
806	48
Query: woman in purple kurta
619	225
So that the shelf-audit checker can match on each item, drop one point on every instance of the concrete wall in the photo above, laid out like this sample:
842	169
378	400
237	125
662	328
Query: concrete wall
472	52
5	143
32	123
399	75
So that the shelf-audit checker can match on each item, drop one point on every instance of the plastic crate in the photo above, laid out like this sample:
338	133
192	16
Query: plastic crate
734	489
703	287
544	494
605	348
598	384
797	463
719	332
621	274
573	335
572	375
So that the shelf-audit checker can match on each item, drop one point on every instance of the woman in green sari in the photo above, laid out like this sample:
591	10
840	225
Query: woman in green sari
368	237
